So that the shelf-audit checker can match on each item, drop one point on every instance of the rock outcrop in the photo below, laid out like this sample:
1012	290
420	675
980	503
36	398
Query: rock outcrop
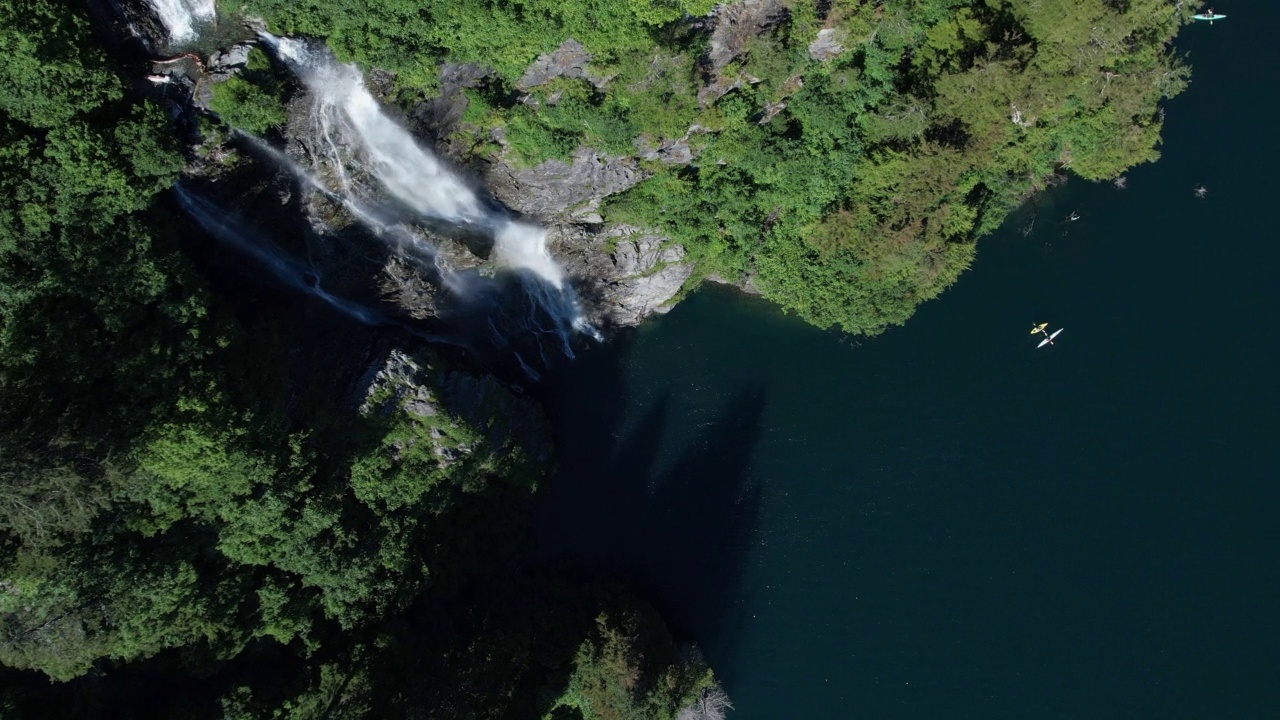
828	45
225	63
416	386
436	118
733	26
570	60
558	190
670	152
737	23
623	272
628	273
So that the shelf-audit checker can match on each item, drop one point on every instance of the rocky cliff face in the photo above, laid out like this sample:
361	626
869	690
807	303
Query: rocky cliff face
418	386
623	273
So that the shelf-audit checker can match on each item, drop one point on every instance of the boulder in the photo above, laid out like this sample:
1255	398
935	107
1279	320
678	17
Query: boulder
627	273
828	45
225	63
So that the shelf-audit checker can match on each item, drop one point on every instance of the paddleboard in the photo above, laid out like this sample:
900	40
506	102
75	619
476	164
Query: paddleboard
1210	18
1046	340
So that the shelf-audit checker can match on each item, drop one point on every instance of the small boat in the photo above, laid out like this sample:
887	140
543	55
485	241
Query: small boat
1209	17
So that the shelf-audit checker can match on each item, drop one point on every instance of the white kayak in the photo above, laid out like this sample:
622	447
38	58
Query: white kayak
1049	340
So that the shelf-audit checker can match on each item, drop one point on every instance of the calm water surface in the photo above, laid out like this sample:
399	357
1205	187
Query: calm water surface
945	522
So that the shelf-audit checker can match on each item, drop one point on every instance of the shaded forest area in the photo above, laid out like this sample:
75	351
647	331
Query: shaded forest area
206	511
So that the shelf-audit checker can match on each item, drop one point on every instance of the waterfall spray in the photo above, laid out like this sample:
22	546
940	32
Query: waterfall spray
401	238
285	269
180	17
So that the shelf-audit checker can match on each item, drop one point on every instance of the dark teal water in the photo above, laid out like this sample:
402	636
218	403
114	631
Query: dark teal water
945	522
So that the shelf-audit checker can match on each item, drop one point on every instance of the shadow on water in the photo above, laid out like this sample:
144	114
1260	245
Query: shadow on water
677	530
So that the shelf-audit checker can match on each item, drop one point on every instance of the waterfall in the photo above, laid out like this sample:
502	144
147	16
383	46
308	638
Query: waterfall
285	269
521	245
347	114
398	236
180	17
560	304
346	111
353	141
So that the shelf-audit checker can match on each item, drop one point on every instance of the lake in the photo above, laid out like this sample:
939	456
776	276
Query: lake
943	521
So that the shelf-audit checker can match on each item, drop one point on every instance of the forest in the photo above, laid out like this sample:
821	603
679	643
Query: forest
206	512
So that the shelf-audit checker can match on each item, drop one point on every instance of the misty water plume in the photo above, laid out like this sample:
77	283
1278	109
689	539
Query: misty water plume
400	237
289	271
182	18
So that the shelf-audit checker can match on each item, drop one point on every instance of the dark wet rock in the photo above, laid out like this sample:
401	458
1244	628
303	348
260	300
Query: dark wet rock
130	20
436	119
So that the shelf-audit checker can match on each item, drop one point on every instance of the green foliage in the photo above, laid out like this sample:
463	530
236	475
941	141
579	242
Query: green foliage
661	12
862	198
52	72
253	99
99	315
569	114
62	613
412	36
920	136
614	679
176	484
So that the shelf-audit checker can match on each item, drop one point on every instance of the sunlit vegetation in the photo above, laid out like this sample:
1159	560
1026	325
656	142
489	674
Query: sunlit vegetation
177	488
863	196
251	100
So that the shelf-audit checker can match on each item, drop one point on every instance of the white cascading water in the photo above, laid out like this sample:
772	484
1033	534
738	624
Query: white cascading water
180	17
352	138
346	112
522	245
399	236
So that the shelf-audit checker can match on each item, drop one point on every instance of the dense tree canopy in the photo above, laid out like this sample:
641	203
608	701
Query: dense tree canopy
179	493
850	187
